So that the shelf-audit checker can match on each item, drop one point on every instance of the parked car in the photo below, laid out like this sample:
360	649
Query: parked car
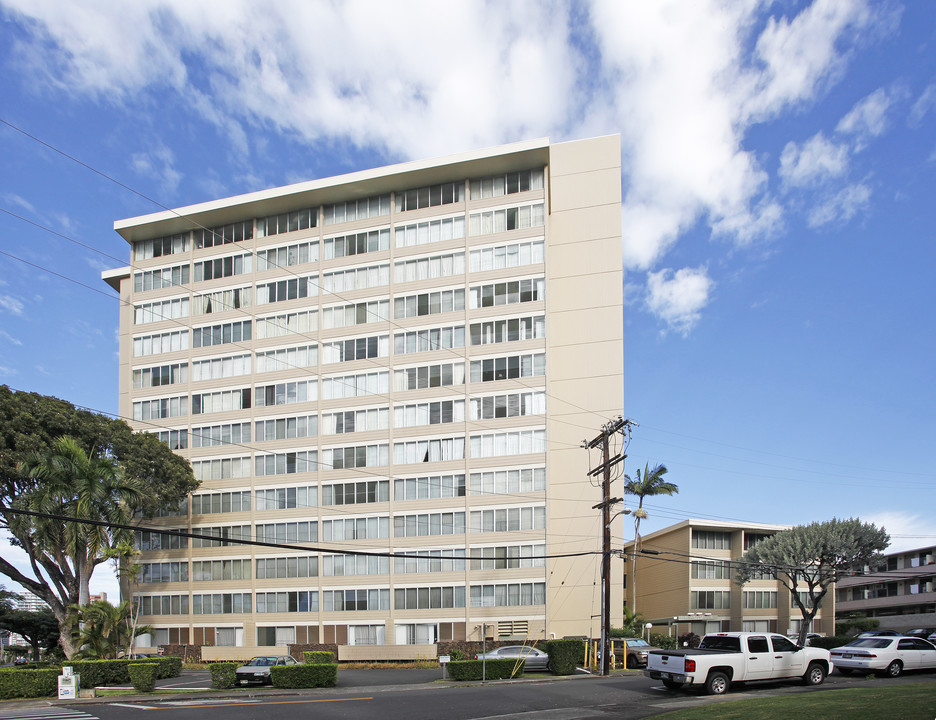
637	650
924	633
879	633
20	660
258	669
888	656
535	659
724	658
809	637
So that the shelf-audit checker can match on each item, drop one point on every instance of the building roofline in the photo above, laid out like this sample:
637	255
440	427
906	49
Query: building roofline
364	183
113	276
714	524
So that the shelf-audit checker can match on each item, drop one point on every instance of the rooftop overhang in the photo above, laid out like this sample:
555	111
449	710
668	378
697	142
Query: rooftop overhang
366	183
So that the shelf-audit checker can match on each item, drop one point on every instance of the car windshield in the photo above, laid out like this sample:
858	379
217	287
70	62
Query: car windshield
262	661
721	642
870	643
635	642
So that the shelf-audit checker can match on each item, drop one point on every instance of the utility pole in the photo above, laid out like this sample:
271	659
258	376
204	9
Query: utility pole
604	469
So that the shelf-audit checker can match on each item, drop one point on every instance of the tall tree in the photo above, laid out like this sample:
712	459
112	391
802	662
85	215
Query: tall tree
30	425
40	629
648	484
107	629
808	559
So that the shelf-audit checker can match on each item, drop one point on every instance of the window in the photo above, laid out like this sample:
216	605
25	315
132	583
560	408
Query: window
287	602
287	222
710	599
508	367
508	557
267	636
222	267
221	603
518	217
510	443
160	408
501	482
508	292
221	367
161	278
215	435
508	330
221	300
425	268
221	334
711	570
149	540
286	463
357	528
425	561
428	524
358	278
287	255
430	413
162	604
223	234
303	321
291	289
161	375
711	540
170	309
160	343
429	231
286	428
163	572
417	378
422	451
511	595
287	358
414	341
355	314
226	502
508	519
345	386
285	393
220	401
510	405
507	184
175	439
169	245
221	468
351	600
222	536
356	209
286	498
760	599
350	421
355	457
357	244
429	303
506	256
431	196
432	486
362	348
208	570
356	493
286	567
427	598
288	532
751	539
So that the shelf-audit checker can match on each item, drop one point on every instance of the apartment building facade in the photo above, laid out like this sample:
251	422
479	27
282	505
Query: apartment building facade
900	592
389	373
687	583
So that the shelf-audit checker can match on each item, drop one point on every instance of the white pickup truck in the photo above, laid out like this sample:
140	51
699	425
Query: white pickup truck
724	658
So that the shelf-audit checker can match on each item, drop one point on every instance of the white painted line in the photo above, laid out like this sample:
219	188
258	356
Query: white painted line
135	707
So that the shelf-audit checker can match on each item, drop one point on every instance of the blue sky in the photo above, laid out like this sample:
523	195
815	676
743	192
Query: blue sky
778	171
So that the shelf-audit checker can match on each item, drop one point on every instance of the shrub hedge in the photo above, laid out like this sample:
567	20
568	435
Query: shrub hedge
565	655
143	675
319	656
308	675
493	670
223	675
28	683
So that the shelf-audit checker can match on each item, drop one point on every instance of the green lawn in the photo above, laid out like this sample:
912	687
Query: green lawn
903	702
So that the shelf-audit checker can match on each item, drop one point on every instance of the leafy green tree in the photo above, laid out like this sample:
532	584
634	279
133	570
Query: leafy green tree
107	629
116	473
633	625
808	559
7	599
40	629
649	484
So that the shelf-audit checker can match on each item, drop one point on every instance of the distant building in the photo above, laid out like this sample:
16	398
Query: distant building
900	592
30	602
397	361
689	584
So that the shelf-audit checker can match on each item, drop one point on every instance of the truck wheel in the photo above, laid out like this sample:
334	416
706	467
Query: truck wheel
716	683
894	669
815	674
672	684
632	661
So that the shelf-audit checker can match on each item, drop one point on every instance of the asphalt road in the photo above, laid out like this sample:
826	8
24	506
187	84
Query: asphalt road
380	694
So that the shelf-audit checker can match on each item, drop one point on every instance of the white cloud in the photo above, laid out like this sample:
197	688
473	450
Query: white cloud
867	119
4	335
678	298
159	165
841	206
14	199
812	163
908	530
4	370
11	304
922	105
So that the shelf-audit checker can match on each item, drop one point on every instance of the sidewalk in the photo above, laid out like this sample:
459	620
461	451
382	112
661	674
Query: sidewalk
268	691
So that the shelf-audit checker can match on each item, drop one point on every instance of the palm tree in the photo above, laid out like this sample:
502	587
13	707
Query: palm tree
650	483
78	484
108	629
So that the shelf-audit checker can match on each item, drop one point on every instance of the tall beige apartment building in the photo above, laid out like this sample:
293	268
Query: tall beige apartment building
390	373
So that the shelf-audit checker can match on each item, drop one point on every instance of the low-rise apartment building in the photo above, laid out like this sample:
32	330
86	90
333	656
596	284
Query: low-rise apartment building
900	591
685	582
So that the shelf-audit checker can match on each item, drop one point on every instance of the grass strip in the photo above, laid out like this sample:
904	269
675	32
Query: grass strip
906	702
